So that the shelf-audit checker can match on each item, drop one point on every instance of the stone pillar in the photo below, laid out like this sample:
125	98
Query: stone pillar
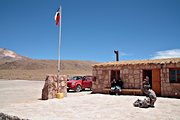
50	87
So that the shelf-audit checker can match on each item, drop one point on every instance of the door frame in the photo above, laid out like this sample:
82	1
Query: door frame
155	80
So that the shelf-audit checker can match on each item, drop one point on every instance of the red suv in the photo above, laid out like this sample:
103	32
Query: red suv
78	83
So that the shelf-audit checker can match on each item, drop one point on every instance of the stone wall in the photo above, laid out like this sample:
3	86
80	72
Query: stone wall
102	80
132	77
169	89
51	87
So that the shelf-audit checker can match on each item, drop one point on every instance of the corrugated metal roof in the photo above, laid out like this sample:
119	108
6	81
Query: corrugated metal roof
134	62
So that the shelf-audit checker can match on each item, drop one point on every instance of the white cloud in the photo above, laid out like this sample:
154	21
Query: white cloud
174	53
122	53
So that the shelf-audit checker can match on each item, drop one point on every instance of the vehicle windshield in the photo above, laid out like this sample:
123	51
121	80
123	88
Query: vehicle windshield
87	77
76	78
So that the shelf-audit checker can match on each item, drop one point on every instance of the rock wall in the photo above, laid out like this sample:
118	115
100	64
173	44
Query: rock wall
51	86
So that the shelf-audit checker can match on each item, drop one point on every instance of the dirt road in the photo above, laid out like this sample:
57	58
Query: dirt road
83	106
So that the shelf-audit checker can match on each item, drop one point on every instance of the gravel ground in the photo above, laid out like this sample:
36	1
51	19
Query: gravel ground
20	98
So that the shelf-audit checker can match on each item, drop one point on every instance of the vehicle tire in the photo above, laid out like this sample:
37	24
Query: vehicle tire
78	88
83	89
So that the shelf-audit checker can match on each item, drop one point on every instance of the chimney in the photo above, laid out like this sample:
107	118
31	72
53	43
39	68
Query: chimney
117	55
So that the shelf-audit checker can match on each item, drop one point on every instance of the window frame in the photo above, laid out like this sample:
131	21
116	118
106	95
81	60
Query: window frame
176	75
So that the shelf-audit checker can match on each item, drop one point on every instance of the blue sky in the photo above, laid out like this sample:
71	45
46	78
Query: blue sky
92	29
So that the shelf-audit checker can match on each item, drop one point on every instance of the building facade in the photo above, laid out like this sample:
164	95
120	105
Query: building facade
164	75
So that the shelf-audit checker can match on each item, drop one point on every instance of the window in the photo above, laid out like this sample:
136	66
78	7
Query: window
76	78
174	75
88	77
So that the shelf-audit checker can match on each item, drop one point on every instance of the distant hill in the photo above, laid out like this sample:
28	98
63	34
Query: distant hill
15	66
8	55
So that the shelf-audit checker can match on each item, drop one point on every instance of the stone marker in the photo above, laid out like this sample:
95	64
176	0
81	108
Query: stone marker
50	87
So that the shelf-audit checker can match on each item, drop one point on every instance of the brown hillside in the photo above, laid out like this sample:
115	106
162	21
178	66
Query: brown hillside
38	69
15	66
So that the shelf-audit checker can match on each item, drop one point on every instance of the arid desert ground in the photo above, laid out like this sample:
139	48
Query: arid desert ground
22	98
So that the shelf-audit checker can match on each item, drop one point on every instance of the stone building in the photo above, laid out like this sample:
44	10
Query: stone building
164	75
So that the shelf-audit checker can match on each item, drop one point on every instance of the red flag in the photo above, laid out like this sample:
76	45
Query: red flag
57	17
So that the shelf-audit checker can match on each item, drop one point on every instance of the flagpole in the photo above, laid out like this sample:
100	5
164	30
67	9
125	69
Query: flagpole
59	46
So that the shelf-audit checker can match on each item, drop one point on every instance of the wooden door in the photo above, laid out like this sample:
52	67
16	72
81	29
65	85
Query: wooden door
156	81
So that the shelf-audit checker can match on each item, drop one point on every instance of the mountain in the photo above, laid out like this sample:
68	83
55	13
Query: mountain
15	66
8	55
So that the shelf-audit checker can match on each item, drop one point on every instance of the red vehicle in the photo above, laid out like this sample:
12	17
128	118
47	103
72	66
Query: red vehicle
78	83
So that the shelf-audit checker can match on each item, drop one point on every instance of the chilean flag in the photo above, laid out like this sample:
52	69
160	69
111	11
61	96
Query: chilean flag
57	17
